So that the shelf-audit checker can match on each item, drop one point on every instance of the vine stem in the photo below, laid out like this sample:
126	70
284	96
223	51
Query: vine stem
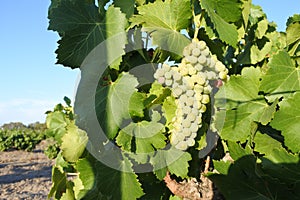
197	23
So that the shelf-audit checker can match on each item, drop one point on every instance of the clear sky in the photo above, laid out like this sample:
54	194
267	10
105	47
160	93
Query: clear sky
30	82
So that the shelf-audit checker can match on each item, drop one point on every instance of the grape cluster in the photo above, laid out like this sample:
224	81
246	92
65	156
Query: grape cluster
190	83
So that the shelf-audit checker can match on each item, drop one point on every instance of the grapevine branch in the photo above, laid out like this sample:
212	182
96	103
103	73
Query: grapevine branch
192	189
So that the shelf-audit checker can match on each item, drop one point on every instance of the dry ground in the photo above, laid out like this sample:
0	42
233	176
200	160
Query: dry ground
25	175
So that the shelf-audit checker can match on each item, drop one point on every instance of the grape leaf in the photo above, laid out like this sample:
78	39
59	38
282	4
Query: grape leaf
293	38
237	151
255	51
79	190
292	19
242	182
282	75
293	33
256	14
173	160
221	166
59	181
112	103
174	198
246	7
227	32
103	182
229	10
163	20
262	27
69	194
287	120
169	109
82	29
136	104
244	105
127	6
282	165
74	137
147	135
56	123
265	144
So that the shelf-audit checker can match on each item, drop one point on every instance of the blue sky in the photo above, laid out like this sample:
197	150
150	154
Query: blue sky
30	82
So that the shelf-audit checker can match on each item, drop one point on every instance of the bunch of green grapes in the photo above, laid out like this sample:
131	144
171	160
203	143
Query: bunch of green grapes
190	83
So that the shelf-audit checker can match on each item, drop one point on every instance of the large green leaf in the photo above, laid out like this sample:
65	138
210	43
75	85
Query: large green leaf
127	6
59	181
82	28
293	36
229	10
173	160
282	165
56	123
102	182
287	120
163	20
292	19
148	136
282	75
293	33
73	143
112	103
265	144
244	106
241	181
136	104
169	110
227	32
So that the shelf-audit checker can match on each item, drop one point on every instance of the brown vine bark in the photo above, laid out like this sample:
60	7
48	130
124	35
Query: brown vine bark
192	189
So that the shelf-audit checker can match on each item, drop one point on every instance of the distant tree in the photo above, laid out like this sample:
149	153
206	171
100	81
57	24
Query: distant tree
37	126
13	125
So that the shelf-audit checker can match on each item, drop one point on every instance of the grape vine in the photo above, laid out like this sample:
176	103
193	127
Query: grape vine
165	81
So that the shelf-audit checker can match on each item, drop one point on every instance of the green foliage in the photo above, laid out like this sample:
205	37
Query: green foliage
255	112
20	139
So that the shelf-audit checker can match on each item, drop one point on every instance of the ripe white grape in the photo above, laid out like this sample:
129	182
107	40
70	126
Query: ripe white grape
220	67
182	145
201	45
161	80
191	116
186	123
192	71
198	88
186	132
190	142
203	108
191	59
194	127
190	85
205	99
193	135
177	76
166	67
177	91
205	52
202	59
169	82
196	52
168	75
198	67
223	75
207	89
190	101
189	93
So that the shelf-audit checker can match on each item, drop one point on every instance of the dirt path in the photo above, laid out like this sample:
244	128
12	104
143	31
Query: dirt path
25	175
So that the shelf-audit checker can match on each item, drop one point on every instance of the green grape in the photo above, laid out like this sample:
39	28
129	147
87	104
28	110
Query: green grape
190	85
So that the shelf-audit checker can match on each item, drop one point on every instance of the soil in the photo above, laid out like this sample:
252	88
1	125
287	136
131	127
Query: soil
25	175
